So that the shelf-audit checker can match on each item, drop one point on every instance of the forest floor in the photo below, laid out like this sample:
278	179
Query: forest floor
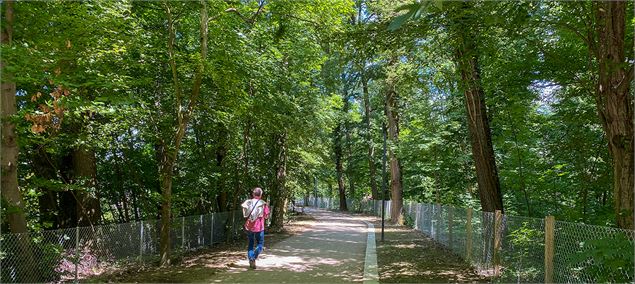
409	256
319	246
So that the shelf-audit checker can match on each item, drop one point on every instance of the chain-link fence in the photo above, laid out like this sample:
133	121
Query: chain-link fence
517	249
76	253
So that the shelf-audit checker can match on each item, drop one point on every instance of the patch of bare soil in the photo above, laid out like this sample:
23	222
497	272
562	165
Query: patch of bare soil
409	256
201	264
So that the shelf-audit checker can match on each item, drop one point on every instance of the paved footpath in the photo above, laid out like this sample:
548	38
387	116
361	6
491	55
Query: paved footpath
331	250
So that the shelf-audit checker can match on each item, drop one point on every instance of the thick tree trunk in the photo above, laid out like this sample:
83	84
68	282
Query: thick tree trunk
615	104
85	174
339	170
12	198
369	140
165	176
396	190
478	125
10	192
47	202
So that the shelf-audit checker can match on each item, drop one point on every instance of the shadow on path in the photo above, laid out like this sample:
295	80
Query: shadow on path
331	250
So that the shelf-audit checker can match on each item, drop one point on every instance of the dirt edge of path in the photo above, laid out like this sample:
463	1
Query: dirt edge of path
409	256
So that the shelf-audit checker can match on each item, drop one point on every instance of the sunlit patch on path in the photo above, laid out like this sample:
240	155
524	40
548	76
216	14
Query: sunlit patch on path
333	249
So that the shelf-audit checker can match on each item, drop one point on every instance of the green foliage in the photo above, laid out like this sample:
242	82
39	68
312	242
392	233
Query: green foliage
608	259
526	248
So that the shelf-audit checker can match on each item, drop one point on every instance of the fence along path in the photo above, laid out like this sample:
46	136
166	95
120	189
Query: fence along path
77	253
518	249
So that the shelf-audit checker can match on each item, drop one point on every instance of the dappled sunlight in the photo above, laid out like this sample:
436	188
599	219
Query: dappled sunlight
331	249
409	256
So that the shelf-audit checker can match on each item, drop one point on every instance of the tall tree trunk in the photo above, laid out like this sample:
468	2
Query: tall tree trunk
369	140
478	124
67	200
85	175
165	176
338	166
12	198
47	202
614	103
279	196
349	150
396	190
183	112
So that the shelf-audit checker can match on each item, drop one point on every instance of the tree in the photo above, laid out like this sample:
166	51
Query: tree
184	108
460	16
614	102
482	151
11	195
392	116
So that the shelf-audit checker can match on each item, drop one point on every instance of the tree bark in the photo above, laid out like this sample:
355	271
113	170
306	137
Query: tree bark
478	124
339	170
15	207
396	190
369	140
349	150
85	175
47	202
165	176
279	194
614	103
184	112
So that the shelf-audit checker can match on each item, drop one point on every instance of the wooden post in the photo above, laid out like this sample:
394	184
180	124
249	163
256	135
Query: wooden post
468	236
549	237
498	217
450	237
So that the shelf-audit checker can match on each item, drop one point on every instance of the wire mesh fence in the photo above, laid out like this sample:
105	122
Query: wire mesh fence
514	248
77	253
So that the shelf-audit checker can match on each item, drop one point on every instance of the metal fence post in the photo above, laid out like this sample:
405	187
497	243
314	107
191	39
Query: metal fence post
76	253
549	237
468	236
141	241
417	213
211	234
200	230
433	222
450	220
183	233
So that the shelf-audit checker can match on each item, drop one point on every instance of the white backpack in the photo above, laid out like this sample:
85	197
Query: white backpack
253	209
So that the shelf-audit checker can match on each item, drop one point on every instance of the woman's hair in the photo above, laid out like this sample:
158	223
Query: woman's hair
257	192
